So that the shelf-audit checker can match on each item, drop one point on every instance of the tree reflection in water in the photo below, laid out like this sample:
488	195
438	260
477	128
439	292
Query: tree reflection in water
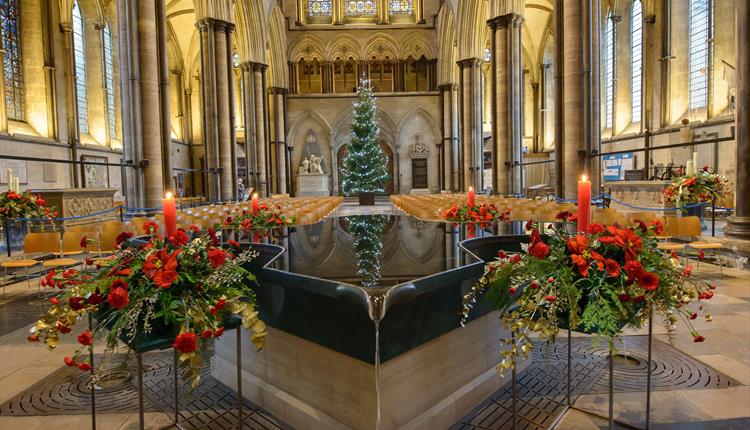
366	231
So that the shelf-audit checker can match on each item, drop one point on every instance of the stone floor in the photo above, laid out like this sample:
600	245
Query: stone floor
726	350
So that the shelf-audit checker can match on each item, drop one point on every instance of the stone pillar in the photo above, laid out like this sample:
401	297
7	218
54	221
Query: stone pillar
580	94
209	105
326	75
470	122
167	164
448	136
507	98
648	61
71	106
3	110
666	63
277	112
150	101
738	226
261	126
248	112
293	77
536	117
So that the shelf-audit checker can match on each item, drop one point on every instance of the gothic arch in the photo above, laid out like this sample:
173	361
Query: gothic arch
277	49
344	47
416	45
446	45
306	47
414	112
301	119
472	22
250	30
380	46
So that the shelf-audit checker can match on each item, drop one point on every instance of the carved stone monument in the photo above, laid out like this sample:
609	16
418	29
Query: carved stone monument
311	181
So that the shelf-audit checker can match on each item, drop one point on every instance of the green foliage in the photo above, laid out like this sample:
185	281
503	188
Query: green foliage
365	167
368	247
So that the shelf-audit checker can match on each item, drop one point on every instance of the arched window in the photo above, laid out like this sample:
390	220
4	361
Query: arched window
319	8
79	59
636	83
699	27
11	39
361	7
109	80
401	7
609	71
344	75
310	80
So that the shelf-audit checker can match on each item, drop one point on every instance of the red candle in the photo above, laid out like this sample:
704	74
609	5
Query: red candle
170	214
584	204
471	196
255	204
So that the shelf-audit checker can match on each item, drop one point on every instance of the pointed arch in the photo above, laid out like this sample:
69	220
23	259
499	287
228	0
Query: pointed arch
380	46
251	31
301	119
472	23
446	45
277	49
416	45
344	46
306	47
415	112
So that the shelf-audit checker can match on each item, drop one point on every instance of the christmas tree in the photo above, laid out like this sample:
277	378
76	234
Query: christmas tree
366	230
365	167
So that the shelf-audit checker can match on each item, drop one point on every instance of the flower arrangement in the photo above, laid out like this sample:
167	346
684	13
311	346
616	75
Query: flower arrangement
184	286
264	218
699	187
484	214
24	205
597	281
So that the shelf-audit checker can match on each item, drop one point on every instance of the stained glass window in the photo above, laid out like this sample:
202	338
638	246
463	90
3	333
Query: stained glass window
698	52
487	55
236	60
609	72
320	8
109	80
11	39
361	7
401	7
636	84
79	57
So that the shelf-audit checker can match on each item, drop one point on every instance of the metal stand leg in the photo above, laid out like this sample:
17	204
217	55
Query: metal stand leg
569	382
611	391
92	383
514	390
176	395
139	371
648	363
239	378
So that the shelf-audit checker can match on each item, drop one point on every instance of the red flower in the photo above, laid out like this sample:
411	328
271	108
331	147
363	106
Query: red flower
550	298
84	366
207	333
76	303
634	269
698	338
195	228
501	255
515	259
54	300
179	238
219	331
578	244
534	284
595	228
694	315
185	342
529	224
624	297
150	227
649	281
161	267
119	283
539	250
234	243
512	291
84	241
701	254
33	338
95	298
688	182
63	328
118	298
658	226
217	257
564	215
85	338
613	268
687	271
69	361
122	237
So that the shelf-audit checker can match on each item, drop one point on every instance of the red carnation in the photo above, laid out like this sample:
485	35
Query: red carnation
698	338
624	297
217	257
550	298
219	331
634	269
612	267
539	250
179	238
649	281
150	227
85	338
207	333
84	366
76	303
118	298
63	328
529	224
69	361
95	298
501	255
515	259
84	241
122	237
512	291
595	228
234	243
185	342
195	228
119	283
534	284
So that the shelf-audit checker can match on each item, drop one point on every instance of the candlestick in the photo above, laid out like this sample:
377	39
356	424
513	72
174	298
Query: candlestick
9	174
584	204
471	197
169	208
255	204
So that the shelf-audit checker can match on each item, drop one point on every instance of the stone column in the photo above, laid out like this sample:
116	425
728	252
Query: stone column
326	75
470	122
448	136
150	101
580	95
261	126
507	94
738	226
666	64
293	77
71	106
248	112
166	129
277	111
209	105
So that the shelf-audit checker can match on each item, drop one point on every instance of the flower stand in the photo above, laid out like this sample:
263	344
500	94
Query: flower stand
154	343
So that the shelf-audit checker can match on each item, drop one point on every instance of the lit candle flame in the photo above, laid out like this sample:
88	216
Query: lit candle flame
255	195
471	188
583	178
168	195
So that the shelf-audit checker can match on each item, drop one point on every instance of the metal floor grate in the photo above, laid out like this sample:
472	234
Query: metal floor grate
541	386
210	406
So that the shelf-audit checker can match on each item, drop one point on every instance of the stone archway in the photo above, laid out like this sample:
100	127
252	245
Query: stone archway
389	187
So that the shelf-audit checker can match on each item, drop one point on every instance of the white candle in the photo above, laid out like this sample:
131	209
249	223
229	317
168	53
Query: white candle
689	167
17	184
695	162
9	177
